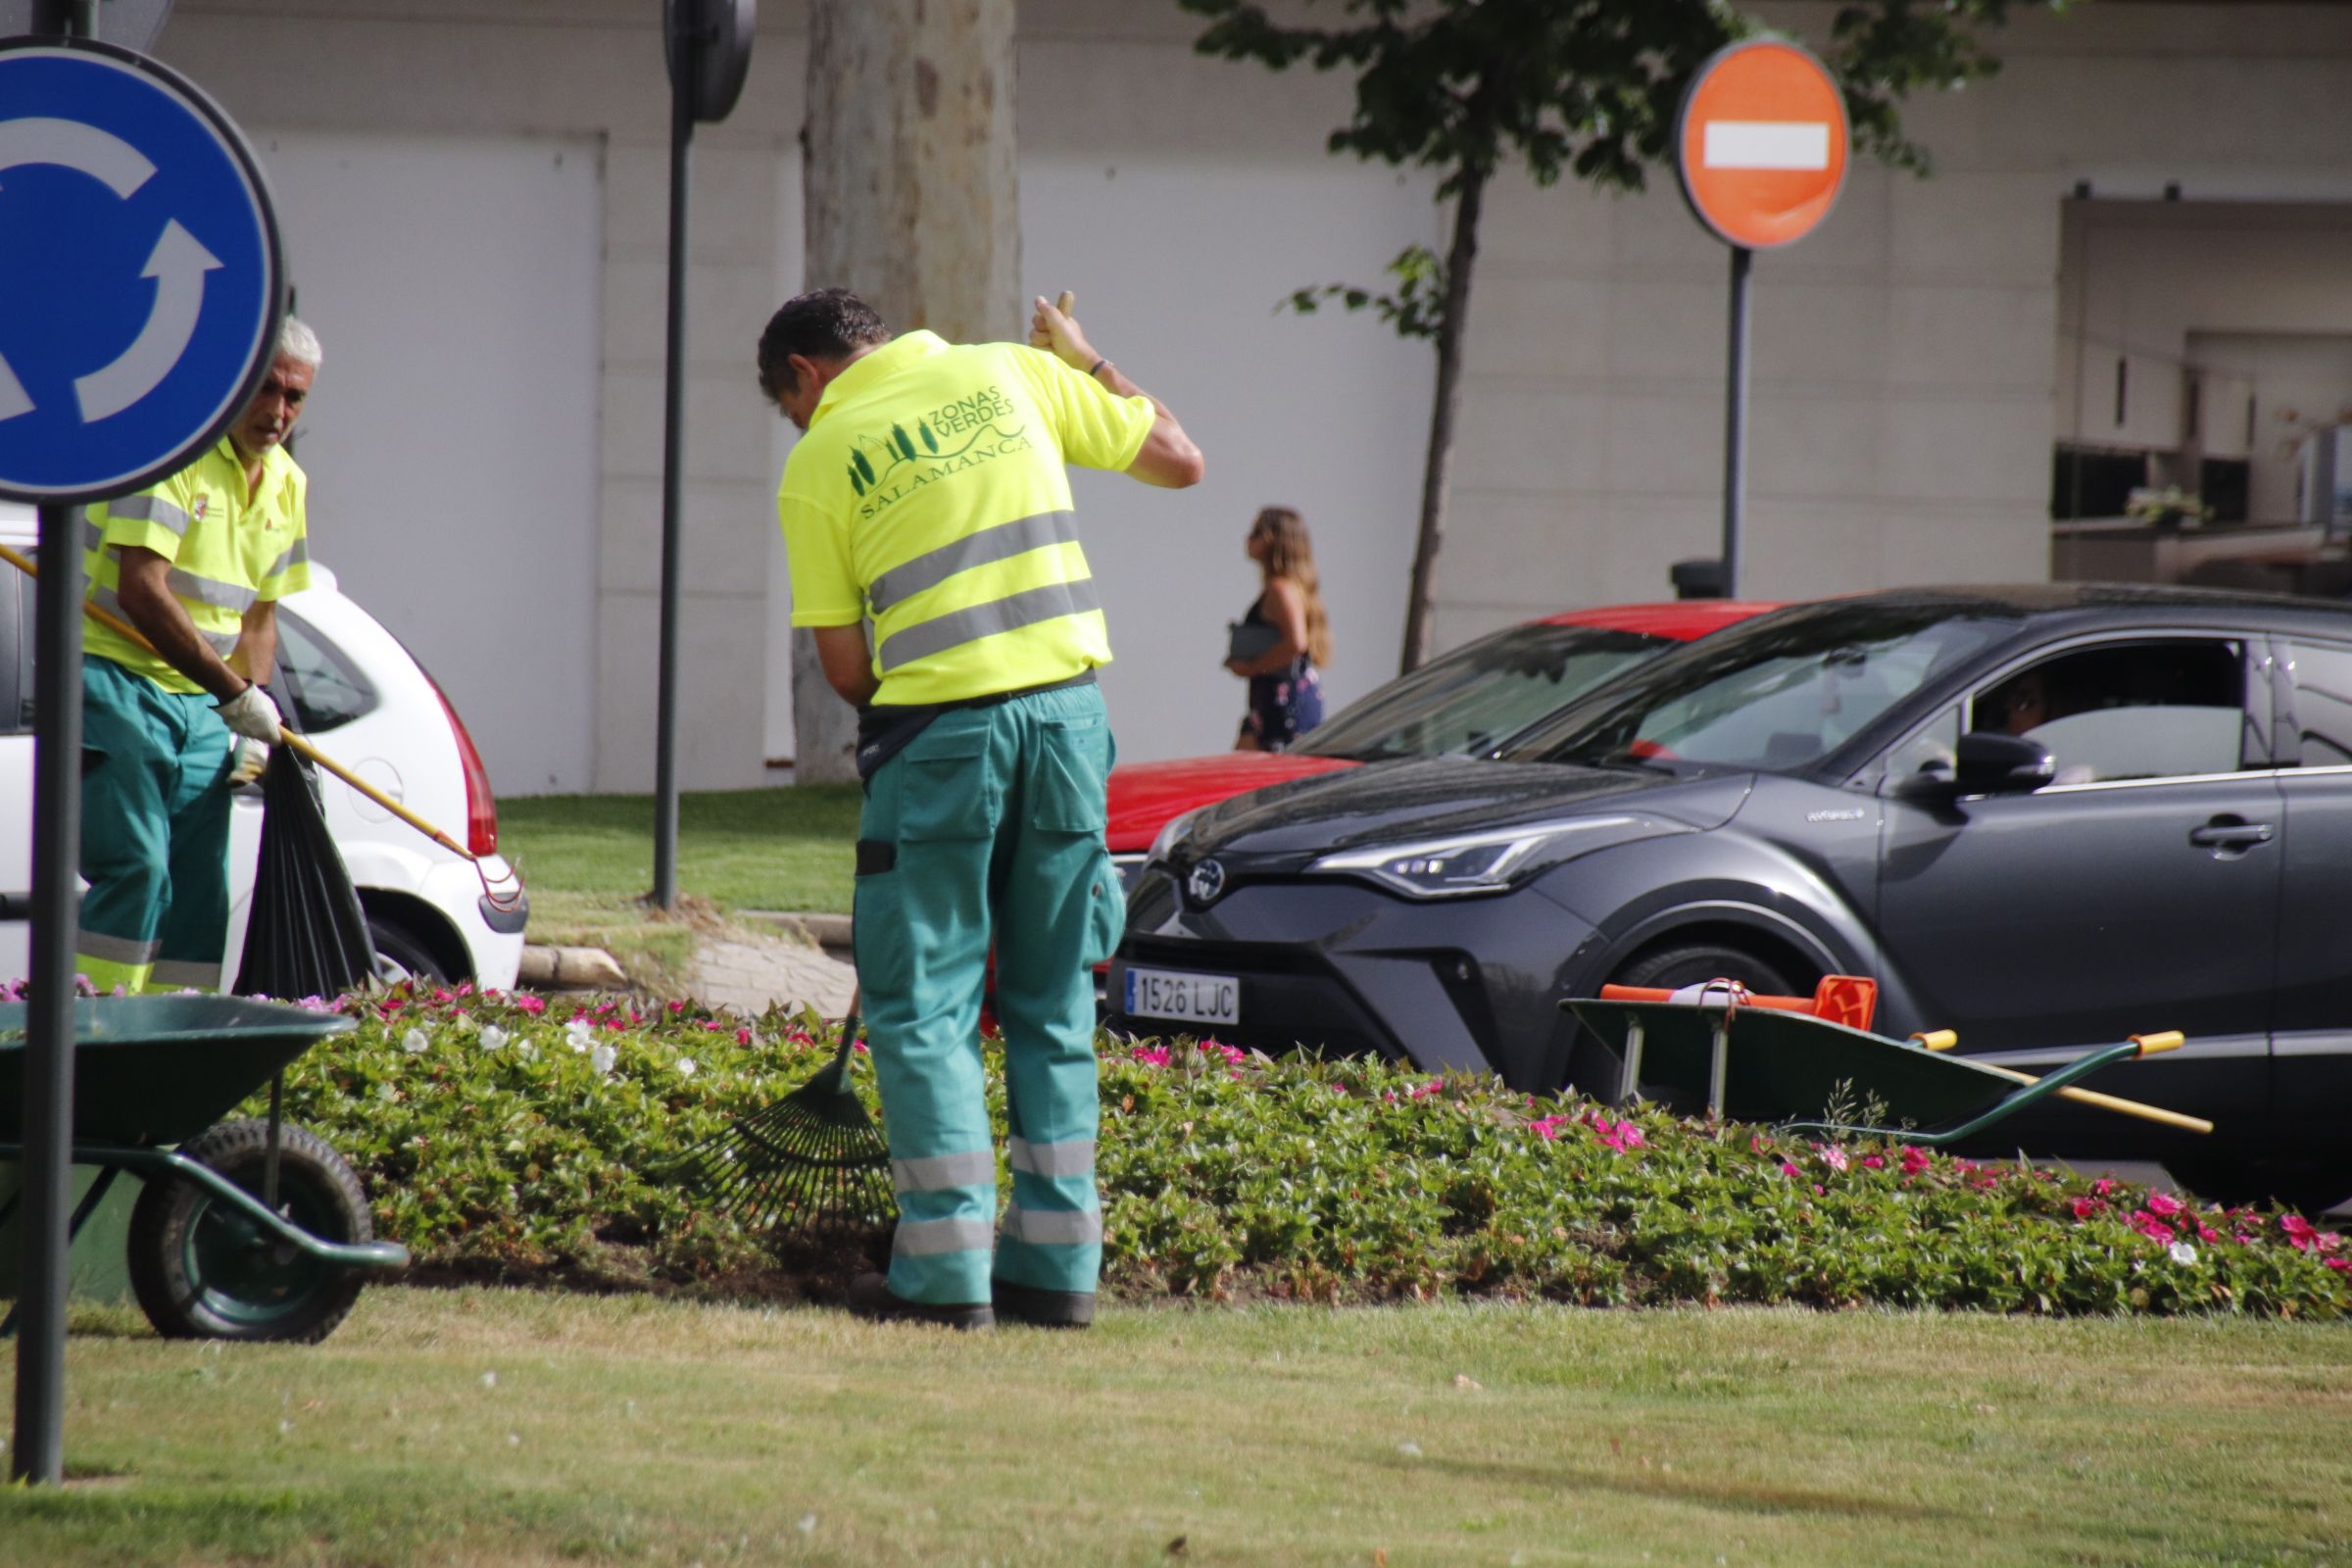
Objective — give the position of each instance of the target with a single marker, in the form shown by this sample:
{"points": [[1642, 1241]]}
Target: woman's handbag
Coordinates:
{"points": [[1246, 641]]}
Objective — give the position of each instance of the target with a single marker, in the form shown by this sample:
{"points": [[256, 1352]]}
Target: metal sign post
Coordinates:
{"points": [[709, 46], [1760, 143], [161, 282]]}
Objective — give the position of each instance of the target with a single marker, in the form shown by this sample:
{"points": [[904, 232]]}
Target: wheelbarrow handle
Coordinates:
{"points": [[2148, 1046]]}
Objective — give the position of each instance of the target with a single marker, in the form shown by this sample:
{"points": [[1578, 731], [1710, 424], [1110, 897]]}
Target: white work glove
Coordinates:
{"points": [[251, 714], [251, 758]]}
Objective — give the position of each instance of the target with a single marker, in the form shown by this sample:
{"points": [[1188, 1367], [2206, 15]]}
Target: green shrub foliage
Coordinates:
{"points": [[540, 1136]]}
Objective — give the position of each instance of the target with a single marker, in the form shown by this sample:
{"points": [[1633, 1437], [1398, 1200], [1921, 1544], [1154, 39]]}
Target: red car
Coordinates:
{"points": [[1465, 702]]}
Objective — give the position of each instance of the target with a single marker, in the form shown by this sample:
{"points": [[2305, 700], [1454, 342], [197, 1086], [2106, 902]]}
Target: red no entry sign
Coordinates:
{"points": [[1761, 143]]}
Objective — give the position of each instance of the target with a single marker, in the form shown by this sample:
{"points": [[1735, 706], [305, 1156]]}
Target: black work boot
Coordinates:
{"points": [[870, 1297], [1043, 1309]]}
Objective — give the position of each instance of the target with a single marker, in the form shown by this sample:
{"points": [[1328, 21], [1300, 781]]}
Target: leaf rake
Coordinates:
{"points": [[813, 1161]]}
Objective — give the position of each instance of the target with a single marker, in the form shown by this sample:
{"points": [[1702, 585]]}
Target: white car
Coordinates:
{"points": [[350, 686]]}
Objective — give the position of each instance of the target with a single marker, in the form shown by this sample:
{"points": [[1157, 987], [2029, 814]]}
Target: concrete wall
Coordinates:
{"points": [[1904, 360]]}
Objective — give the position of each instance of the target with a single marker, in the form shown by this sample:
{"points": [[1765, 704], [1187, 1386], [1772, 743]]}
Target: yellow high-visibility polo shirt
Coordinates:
{"points": [[930, 493], [228, 552]]}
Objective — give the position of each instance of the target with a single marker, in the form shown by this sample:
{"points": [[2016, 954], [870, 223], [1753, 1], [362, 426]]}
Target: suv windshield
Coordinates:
{"points": [[1779, 694], [1481, 693]]}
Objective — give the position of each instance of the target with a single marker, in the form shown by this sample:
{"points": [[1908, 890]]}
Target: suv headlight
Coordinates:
{"points": [[1481, 863], [1172, 833]]}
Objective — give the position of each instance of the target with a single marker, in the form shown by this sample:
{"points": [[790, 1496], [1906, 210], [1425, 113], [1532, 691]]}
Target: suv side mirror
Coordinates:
{"points": [[1994, 763], [1988, 762]]}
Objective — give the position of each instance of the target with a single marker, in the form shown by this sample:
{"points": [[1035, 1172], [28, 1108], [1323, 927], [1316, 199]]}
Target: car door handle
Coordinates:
{"points": [[2230, 833]]}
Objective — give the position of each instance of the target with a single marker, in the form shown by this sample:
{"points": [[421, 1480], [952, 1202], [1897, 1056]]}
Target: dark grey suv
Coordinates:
{"points": [[2046, 817]]}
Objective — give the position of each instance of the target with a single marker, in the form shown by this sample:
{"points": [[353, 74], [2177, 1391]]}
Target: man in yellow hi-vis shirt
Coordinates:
{"points": [[197, 563], [929, 495]]}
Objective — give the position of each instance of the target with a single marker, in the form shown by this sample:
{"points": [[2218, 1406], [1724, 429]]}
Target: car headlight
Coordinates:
{"points": [[1172, 833], [1471, 863]]}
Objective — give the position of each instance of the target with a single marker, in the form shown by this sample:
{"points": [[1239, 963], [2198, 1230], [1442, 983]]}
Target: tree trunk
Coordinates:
{"points": [[914, 201], [1437, 477]]}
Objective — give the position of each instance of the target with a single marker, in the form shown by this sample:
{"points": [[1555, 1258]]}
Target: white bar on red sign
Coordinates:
{"points": [[1766, 144]]}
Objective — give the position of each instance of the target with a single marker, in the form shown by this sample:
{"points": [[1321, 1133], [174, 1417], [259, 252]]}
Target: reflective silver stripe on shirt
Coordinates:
{"points": [[116, 950], [92, 536], [1052, 1227], [941, 1173], [210, 591], [957, 627], [999, 542], [223, 642], [297, 552], [1074, 1157], [184, 975], [922, 1238], [149, 509]]}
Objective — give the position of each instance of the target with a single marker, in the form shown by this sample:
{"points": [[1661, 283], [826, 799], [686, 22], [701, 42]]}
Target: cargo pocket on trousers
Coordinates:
{"points": [[1066, 784], [1106, 912], [945, 793], [878, 927]]}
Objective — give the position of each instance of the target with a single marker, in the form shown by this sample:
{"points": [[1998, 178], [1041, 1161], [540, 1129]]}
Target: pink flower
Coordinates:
{"points": [[1151, 1055], [2085, 1207], [1789, 1169], [2150, 1226], [1548, 1128], [2206, 1232], [1831, 1155], [1985, 1181], [743, 1036], [1434, 1086], [1874, 1162], [2103, 1186], [2299, 1231], [1916, 1159], [2165, 1205], [2342, 1266], [1620, 1136], [534, 1006]]}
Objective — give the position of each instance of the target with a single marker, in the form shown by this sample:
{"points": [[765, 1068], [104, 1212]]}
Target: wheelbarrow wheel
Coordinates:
{"points": [[203, 1270]]}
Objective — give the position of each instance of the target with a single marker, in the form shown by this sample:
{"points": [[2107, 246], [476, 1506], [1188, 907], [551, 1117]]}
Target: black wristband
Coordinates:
{"points": [[1095, 367]]}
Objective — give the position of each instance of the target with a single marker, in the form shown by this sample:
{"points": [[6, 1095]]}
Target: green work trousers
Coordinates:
{"points": [[995, 820], [155, 803]]}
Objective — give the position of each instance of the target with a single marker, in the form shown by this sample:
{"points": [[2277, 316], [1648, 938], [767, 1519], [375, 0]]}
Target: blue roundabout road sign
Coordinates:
{"points": [[140, 281]]}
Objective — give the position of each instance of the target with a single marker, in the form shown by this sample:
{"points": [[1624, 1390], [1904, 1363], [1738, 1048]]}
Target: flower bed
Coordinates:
{"points": [[528, 1137]]}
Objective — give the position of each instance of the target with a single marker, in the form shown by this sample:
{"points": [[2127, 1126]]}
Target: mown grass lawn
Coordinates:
{"points": [[481, 1427], [588, 860], [780, 849]]}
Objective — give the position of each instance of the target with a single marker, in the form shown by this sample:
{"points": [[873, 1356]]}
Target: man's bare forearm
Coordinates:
{"points": [[162, 619]]}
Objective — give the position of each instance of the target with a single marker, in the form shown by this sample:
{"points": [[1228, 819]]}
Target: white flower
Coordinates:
{"points": [[577, 1034], [526, 1051], [493, 1037], [686, 1067], [603, 1057], [2184, 1253], [386, 1091], [415, 1042], [490, 1380]]}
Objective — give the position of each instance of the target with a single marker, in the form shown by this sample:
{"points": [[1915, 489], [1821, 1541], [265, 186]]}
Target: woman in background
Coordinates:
{"points": [[1281, 645]]}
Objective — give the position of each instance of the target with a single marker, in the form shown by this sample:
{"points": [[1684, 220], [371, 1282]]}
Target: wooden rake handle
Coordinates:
{"points": [[300, 745]]}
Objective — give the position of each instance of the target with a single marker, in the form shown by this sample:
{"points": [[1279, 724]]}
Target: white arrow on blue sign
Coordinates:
{"points": [[140, 284]]}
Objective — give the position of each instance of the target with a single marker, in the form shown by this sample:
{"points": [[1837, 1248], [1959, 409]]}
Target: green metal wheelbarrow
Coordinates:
{"points": [[247, 1230], [1773, 1064]]}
